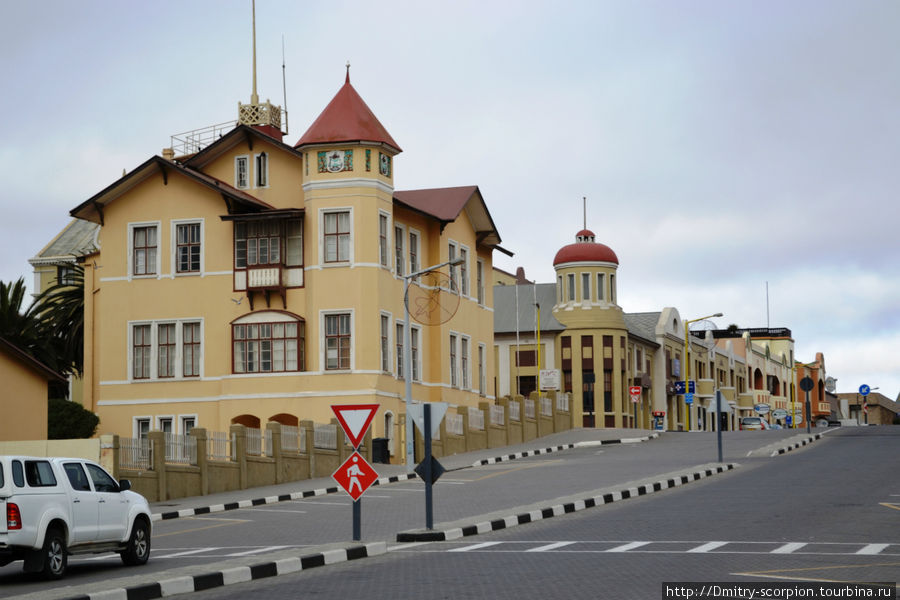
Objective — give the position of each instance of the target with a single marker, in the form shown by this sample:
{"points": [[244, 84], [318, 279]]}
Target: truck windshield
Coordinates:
{"points": [[1, 475]]}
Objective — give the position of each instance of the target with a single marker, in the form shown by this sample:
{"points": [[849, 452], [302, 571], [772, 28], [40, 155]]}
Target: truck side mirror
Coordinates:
{"points": [[124, 484]]}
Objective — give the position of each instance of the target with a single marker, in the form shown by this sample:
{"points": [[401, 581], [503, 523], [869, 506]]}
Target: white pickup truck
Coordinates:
{"points": [[60, 506]]}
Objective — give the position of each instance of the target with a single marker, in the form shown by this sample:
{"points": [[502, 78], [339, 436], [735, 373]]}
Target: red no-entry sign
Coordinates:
{"points": [[356, 475]]}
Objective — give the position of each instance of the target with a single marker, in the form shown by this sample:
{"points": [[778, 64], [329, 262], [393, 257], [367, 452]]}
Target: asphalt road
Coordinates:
{"points": [[762, 504], [828, 512]]}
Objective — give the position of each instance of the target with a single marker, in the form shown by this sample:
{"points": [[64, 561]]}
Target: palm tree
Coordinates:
{"points": [[17, 325], [59, 315]]}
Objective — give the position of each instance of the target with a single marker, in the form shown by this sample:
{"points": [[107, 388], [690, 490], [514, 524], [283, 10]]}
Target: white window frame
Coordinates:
{"points": [[482, 366], [135, 425], [415, 332], [417, 264], [173, 236], [401, 259], [570, 284], [465, 363], [256, 171], [601, 283], [130, 246], [399, 343], [321, 240], [454, 359], [181, 423], [612, 288], [385, 317], [384, 254], [237, 180], [560, 293], [171, 420], [464, 272], [154, 349], [322, 357], [479, 281], [585, 289], [452, 253]]}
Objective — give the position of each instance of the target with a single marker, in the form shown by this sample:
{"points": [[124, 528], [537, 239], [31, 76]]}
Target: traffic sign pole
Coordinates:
{"points": [[357, 520], [429, 505]]}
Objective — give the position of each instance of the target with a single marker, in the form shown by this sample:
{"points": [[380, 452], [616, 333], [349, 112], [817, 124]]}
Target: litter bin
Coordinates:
{"points": [[380, 451]]}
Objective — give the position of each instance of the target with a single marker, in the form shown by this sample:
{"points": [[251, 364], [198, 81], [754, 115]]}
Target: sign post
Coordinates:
{"points": [[356, 475], [864, 391], [429, 469], [807, 384]]}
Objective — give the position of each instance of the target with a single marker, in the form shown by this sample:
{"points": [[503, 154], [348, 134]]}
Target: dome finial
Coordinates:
{"points": [[347, 78]]}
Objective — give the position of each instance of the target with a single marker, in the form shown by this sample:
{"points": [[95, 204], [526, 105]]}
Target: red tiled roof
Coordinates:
{"points": [[347, 118], [444, 204]]}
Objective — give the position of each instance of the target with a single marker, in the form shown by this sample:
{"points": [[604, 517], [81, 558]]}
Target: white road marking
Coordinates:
{"points": [[788, 548], [474, 547], [403, 547], [627, 547], [872, 548], [258, 550], [549, 547], [281, 510], [707, 547], [186, 553]]}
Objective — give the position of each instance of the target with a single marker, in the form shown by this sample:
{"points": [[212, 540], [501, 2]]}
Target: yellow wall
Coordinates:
{"points": [[23, 402]]}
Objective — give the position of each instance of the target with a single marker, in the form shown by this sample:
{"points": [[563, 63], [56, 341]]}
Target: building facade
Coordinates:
{"points": [[251, 280]]}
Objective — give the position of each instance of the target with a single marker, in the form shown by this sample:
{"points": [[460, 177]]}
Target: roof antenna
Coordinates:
{"points": [[254, 98], [584, 205], [347, 79], [284, 86]]}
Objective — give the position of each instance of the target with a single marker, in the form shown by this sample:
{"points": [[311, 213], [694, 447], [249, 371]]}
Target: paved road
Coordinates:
{"points": [[254, 533], [828, 512]]}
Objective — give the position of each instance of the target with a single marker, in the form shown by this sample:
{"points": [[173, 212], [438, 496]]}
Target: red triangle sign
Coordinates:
{"points": [[355, 420]]}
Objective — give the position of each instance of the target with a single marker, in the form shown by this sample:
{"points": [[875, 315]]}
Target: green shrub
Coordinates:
{"points": [[69, 420]]}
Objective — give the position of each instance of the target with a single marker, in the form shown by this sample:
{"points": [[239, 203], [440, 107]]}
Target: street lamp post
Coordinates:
{"points": [[407, 352], [687, 361]]}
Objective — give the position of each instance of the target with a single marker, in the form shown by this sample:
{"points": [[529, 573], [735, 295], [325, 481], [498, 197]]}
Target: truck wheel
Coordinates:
{"points": [[55, 557], [138, 550]]}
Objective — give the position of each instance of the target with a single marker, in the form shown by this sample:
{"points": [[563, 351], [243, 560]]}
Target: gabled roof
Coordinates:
{"points": [[29, 361], [77, 239], [508, 316], [643, 325], [236, 200], [446, 204], [240, 134], [347, 118]]}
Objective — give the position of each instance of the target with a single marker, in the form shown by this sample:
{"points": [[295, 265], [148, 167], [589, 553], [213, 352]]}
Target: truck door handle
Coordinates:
{"points": [[102, 501], [76, 500]]}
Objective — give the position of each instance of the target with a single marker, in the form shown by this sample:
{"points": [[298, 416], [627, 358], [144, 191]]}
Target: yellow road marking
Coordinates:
{"points": [[772, 574], [890, 505], [229, 522]]}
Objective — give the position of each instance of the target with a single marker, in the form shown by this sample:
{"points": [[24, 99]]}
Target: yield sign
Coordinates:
{"points": [[354, 420], [355, 475]]}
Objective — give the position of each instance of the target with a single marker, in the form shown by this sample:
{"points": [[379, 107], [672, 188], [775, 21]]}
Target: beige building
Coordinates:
{"points": [[253, 280], [23, 402]]}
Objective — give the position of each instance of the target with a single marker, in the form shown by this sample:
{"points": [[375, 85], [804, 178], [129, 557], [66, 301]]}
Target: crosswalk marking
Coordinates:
{"points": [[627, 547], [788, 548], [475, 547], [549, 547], [872, 548], [707, 547]]}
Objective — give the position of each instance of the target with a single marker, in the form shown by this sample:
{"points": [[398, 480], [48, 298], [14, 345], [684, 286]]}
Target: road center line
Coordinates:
{"points": [[548, 547], [475, 547], [788, 548]]}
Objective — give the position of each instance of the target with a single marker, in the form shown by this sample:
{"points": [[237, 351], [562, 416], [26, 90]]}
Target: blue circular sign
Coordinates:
{"points": [[864, 390]]}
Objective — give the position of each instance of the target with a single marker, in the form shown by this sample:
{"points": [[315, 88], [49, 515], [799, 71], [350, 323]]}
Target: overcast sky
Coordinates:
{"points": [[722, 146]]}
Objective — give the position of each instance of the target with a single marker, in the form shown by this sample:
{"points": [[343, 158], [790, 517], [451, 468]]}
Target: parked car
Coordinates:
{"points": [[752, 423], [55, 507]]}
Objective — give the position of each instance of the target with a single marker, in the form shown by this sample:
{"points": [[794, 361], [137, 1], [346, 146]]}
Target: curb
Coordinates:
{"points": [[186, 584], [796, 445], [505, 457], [215, 508], [558, 509]]}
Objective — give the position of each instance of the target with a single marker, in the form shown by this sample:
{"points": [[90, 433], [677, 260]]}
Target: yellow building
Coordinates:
{"points": [[23, 402], [254, 280]]}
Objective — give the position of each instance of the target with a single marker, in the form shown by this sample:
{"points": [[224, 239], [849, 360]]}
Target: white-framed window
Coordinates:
{"points": [[465, 379], [414, 333], [242, 172], [482, 376], [399, 341], [612, 288], [464, 271], [586, 287], [336, 237], [187, 422], [452, 249], [141, 427], [414, 251], [385, 343], [570, 280], [165, 349], [187, 247], [383, 239], [398, 250], [454, 371], [143, 249], [601, 282], [166, 423], [262, 170], [559, 289], [479, 281], [337, 341], [268, 342]]}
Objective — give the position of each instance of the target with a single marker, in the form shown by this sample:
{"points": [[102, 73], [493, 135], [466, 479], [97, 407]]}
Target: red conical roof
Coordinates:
{"points": [[347, 118]]}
